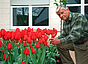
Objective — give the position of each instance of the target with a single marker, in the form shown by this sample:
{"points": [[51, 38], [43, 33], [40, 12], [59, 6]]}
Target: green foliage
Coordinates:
{"points": [[61, 1], [56, 4], [50, 55]]}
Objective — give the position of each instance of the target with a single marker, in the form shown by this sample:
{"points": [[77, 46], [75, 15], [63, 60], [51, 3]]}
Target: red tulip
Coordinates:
{"points": [[32, 50], [26, 51], [5, 37], [30, 46], [9, 46], [43, 33], [0, 43], [46, 37], [38, 30], [33, 37], [48, 32], [43, 39], [6, 58], [3, 32], [45, 43], [54, 30], [25, 37], [17, 30], [29, 29], [28, 40], [22, 33], [2, 50], [13, 36], [38, 45], [21, 40], [9, 34], [58, 61], [0, 34], [40, 40], [25, 44], [22, 62], [45, 30], [38, 34], [53, 35], [17, 35]]}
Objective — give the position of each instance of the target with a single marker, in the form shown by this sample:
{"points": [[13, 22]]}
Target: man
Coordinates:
{"points": [[74, 37]]}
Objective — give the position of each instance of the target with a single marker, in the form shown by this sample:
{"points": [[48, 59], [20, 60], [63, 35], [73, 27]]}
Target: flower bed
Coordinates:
{"points": [[27, 46]]}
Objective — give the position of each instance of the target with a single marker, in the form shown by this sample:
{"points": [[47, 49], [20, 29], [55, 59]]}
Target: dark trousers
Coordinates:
{"points": [[81, 53]]}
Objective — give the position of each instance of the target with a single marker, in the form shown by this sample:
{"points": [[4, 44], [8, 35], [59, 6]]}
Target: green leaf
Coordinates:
{"points": [[56, 4], [43, 54], [2, 62], [15, 63], [55, 0], [39, 52], [33, 58]]}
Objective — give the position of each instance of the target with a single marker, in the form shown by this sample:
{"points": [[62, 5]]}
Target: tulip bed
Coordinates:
{"points": [[27, 46]]}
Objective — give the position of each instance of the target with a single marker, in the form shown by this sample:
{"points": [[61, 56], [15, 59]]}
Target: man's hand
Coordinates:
{"points": [[53, 41]]}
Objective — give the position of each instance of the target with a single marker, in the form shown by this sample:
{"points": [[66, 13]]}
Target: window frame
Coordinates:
{"points": [[82, 5], [30, 17]]}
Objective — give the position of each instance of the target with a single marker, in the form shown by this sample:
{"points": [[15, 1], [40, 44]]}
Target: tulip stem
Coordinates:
{"points": [[26, 60], [17, 51], [22, 53], [10, 58], [6, 62]]}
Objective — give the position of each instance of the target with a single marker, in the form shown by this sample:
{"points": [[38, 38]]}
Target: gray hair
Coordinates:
{"points": [[62, 7]]}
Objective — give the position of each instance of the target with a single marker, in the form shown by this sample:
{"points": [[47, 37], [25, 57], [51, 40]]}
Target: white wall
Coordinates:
{"points": [[5, 14]]}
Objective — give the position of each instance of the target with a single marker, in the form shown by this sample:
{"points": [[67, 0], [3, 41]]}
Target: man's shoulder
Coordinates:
{"points": [[77, 15]]}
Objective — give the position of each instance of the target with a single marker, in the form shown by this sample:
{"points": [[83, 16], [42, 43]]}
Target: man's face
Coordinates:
{"points": [[63, 14]]}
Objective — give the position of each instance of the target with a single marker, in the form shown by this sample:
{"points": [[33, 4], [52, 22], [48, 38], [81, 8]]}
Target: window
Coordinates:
{"points": [[20, 16], [40, 16], [35, 15], [79, 6]]}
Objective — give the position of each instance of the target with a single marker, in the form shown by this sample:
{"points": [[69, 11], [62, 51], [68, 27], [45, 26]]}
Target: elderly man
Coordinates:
{"points": [[74, 37]]}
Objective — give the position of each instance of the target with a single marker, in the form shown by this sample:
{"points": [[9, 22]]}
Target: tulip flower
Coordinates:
{"points": [[32, 50], [28, 40], [48, 32], [2, 50], [9, 46], [25, 37], [22, 62], [25, 44], [3, 32], [6, 58], [0, 43], [53, 35], [38, 45], [46, 37], [58, 60], [26, 51], [30, 46]]}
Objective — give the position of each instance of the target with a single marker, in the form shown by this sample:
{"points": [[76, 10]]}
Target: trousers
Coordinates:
{"points": [[81, 53]]}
